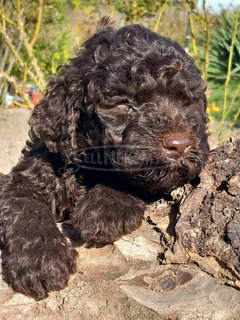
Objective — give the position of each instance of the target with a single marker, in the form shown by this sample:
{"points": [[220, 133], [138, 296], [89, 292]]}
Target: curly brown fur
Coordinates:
{"points": [[119, 100]]}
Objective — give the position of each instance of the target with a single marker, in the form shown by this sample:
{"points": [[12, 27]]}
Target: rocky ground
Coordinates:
{"points": [[125, 280]]}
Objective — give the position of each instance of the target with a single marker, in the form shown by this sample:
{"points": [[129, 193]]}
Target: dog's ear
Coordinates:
{"points": [[55, 118]]}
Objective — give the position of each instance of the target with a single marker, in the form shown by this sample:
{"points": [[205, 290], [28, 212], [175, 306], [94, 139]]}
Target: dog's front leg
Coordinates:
{"points": [[37, 257], [103, 215]]}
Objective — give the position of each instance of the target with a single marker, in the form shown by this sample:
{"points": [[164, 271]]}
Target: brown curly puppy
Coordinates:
{"points": [[123, 122]]}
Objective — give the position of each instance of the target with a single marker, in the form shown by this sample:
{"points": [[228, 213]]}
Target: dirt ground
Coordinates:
{"points": [[13, 134]]}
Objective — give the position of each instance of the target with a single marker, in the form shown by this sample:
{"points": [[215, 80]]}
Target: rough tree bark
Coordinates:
{"points": [[182, 264], [204, 222]]}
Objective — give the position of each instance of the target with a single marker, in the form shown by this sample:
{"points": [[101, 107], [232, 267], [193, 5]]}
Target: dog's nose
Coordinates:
{"points": [[175, 146]]}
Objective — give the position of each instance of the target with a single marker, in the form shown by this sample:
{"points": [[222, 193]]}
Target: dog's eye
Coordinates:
{"points": [[116, 117]]}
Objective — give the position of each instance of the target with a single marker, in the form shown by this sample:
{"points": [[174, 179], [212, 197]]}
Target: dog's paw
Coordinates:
{"points": [[40, 266], [104, 215]]}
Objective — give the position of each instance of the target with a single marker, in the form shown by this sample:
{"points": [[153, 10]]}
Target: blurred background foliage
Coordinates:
{"points": [[220, 48], [36, 36]]}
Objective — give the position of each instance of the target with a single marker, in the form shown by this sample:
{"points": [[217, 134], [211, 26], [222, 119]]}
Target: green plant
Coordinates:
{"points": [[220, 61], [33, 41], [230, 51], [220, 48], [135, 10]]}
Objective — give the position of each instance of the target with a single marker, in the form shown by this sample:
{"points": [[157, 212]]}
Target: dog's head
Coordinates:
{"points": [[136, 94]]}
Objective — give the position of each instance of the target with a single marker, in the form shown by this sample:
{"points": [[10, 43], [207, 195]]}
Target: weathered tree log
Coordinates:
{"points": [[183, 263], [203, 224]]}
